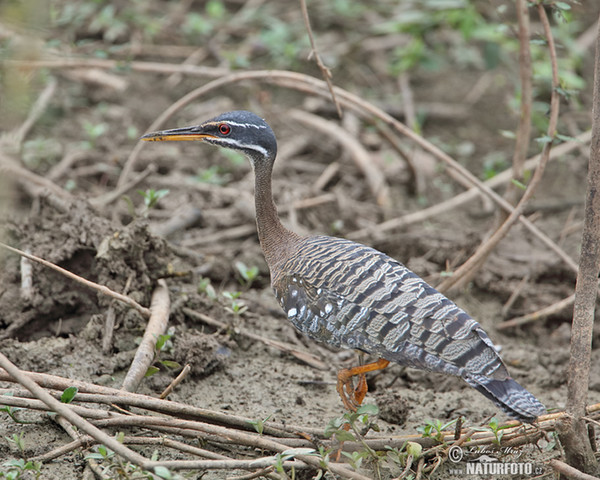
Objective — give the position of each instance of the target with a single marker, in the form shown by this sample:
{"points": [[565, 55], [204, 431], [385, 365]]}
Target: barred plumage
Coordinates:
{"points": [[349, 295]]}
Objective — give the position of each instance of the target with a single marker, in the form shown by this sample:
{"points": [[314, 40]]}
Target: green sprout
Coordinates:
{"points": [[435, 429], [249, 274], [259, 425], [17, 469], [151, 196]]}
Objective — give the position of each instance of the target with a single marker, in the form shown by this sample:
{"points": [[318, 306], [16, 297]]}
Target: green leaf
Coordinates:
{"points": [[518, 184], [163, 472], [544, 139], [94, 456], [567, 138], [414, 449], [151, 371], [369, 409], [68, 395], [562, 5], [344, 436], [170, 364]]}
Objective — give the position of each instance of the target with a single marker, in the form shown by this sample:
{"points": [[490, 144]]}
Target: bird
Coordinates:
{"points": [[352, 296]]}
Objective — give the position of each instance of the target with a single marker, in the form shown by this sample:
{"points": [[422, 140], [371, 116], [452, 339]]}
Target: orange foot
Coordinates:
{"points": [[352, 397]]}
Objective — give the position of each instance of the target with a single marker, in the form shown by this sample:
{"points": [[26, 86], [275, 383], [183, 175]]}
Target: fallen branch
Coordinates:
{"points": [[157, 325], [100, 288]]}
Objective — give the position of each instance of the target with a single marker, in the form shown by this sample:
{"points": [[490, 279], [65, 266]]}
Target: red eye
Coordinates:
{"points": [[224, 129]]}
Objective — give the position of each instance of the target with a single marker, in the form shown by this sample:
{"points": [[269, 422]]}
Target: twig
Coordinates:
{"points": [[26, 279], [374, 176], [538, 315], [100, 288], [568, 471], [109, 396], [109, 326], [324, 70], [305, 357], [523, 132], [178, 379], [573, 430], [157, 325], [66, 412], [148, 67]]}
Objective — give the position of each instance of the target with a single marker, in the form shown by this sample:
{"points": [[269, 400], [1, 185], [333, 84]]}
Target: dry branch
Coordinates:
{"points": [[68, 413], [157, 325], [100, 288], [573, 429]]}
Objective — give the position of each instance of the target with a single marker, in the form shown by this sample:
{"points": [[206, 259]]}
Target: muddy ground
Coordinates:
{"points": [[91, 125]]}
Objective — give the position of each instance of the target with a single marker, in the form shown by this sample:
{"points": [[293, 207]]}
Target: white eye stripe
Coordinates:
{"points": [[245, 125], [236, 144]]}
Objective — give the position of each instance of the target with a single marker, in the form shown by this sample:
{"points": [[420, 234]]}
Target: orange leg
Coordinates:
{"points": [[353, 397]]}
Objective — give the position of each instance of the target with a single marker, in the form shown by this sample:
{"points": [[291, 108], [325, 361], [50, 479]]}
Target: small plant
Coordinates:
{"points": [[11, 412], [163, 344], [249, 274], [236, 307], [94, 131], [214, 175], [435, 429], [151, 198], [17, 469], [17, 440], [496, 429], [114, 467], [68, 395], [204, 286], [259, 425]]}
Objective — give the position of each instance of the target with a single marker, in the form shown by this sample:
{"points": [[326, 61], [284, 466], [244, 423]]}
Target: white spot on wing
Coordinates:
{"points": [[292, 312]]}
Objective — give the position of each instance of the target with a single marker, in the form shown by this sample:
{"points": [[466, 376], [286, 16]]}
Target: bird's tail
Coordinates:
{"points": [[511, 397]]}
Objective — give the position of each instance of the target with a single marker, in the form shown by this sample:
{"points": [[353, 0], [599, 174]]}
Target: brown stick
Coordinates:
{"points": [[101, 288], [314, 52], [573, 431], [568, 471], [157, 325], [66, 412], [525, 75]]}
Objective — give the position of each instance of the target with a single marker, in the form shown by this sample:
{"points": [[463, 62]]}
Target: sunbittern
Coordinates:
{"points": [[349, 295]]}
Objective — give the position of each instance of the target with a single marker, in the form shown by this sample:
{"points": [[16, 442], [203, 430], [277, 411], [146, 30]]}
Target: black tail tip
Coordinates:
{"points": [[511, 397]]}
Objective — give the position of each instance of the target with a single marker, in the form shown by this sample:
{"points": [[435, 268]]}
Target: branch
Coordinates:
{"points": [[100, 288], [324, 70], [573, 430], [157, 325]]}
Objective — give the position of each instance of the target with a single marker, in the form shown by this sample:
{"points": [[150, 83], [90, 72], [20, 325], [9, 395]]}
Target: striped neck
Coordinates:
{"points": [[276, 241]]}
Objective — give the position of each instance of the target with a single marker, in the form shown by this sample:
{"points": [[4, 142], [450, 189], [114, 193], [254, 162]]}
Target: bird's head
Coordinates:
{"points": [[239, 130]]}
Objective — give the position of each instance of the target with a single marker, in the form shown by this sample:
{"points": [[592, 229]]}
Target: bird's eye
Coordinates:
{"points": [[224, 129]]}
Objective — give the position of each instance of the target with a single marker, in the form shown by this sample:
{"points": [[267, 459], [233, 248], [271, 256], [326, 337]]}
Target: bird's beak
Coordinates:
{"points": [[177, 135]]}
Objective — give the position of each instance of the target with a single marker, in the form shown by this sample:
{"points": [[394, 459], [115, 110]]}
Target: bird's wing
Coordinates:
{"points": [[346, 294]]}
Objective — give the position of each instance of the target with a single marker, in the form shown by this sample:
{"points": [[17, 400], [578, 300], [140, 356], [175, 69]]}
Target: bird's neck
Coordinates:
{"points": [[276, 241]]}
